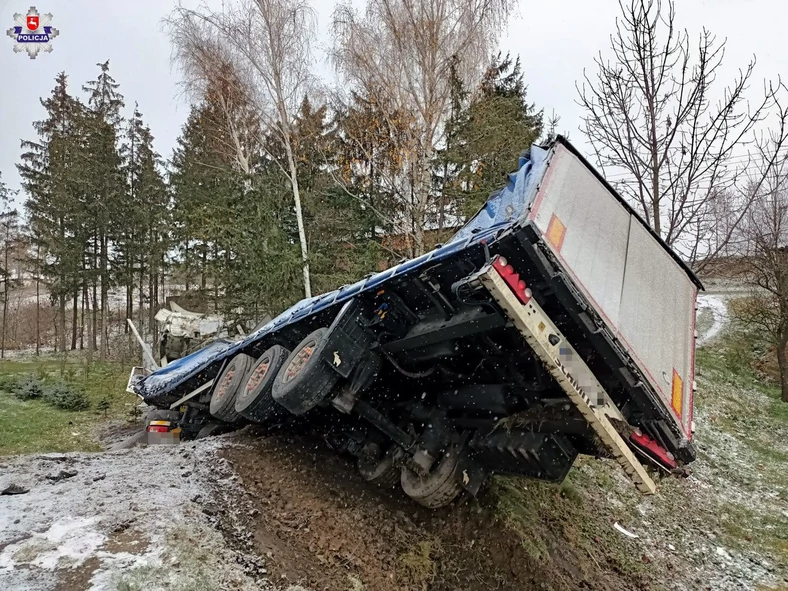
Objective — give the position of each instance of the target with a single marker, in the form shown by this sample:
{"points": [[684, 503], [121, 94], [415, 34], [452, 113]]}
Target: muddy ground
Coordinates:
{"points": [[319, 525], [273, 511], [265, 511], [125, 520]]}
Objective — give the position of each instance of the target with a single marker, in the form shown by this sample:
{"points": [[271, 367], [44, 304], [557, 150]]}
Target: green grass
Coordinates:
{"points": [[553, 516], [736, 398], [34, 426]]}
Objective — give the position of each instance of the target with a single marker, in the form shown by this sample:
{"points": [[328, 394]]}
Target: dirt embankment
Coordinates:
{"points": [[317, 524]]}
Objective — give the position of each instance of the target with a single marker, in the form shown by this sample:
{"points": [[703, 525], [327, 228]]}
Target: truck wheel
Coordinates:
{"points": [[304, 380], [227, 387], [255, 401], [382, 472], [438, 488]]}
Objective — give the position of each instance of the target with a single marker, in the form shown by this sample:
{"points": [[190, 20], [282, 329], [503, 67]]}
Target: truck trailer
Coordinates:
{"points": [[555, 323]]}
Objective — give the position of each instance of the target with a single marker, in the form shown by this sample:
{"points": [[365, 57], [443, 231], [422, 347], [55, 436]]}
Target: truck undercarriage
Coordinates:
{"points": [[489, 360]]}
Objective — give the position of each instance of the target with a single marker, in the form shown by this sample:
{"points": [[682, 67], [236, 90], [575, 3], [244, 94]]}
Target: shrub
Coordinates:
{"points": [[66, 397], [28, 387], [8, 383]]}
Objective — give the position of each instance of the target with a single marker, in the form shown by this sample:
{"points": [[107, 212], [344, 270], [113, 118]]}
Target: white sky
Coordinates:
{"points": [[556, 40]]}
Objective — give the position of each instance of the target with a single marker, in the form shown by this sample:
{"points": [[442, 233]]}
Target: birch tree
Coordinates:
{"points": [[261, 50], [671, 139], [400, 54]]}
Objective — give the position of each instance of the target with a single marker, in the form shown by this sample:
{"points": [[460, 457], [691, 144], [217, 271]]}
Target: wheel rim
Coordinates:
{"points": [[299, 361], [225, 385], [257, 376]]}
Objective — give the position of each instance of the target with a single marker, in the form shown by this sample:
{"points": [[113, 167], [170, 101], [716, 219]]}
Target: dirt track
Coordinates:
{"points": [[318, 524]]}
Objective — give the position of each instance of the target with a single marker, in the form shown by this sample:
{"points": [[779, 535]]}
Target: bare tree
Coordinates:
{"points": [[259, 53], [654, 126], [400, 54], [763, 248]]}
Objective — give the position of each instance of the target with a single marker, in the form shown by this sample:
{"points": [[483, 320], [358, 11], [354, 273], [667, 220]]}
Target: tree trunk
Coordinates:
{"points": [[215, 279], [61, 337], [299, 217], [782, 362], [187, 266], [82, 319], [91, 324], [104, 300], [74, 320], [38, 301], [94, 318], [141, 327], [203, 281], [153, 304], [129, 299], [5, 296]]}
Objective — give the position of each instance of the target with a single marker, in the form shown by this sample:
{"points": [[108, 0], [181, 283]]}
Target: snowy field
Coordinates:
{"points": [[127, 519]]}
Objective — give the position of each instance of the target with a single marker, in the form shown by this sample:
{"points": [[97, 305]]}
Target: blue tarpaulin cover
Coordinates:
{"points": [[503, 209]]}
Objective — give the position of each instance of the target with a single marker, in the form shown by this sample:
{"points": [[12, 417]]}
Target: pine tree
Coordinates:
{"points": [[235, 228], [143, 235], [52, 177], [487, 136], [104, 191], [202, 185], [340, 229]]}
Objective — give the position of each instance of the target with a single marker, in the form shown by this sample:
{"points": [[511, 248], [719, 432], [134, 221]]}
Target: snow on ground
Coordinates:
{"points": [[96, 521], [715, 305]]}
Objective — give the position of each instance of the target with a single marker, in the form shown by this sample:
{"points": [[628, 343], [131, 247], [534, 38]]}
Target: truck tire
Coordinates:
{"points": [[255, 401], [227, 387], [382, 472], [304, 380], [438, 488]]}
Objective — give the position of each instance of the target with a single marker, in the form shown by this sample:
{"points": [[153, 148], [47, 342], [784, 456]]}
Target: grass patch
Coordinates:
{"points": [[553, 521], [34, 426], [190, 561], [744, 527], [419, 563]]}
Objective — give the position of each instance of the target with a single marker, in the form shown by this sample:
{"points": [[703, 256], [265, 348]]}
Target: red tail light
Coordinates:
{"points": [[512, 279], [157, 429]]}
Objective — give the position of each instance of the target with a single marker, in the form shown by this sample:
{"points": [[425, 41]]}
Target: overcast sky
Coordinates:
{"points": [[556, 40]]}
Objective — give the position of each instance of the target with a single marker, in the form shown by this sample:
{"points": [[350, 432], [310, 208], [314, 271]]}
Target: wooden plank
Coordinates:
{"points": [[192, 394], [550, 345]]}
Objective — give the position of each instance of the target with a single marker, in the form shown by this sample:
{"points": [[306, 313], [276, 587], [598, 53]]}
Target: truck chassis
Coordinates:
{"points": [[480, 358]]}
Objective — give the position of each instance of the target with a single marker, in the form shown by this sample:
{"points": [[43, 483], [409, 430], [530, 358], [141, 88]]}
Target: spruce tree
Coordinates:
{"points": [[487, 136], [104, 190], [143, 236], [52, 174]]}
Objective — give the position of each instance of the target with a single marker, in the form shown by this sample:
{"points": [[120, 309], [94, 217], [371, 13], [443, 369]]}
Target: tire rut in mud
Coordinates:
{"points": [[315, 522]]}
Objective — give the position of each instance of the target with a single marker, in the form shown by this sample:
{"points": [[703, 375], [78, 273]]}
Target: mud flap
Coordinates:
{"points": [[347, 343], [471, 474]]}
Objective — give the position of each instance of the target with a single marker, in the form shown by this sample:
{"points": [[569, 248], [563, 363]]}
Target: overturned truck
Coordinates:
{"points": [[554, 323]]}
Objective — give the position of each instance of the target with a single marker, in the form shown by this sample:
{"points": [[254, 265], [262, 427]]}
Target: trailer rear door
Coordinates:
{"points": [[643, 294]]}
